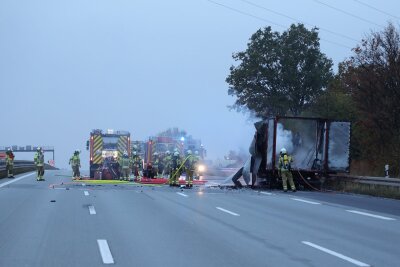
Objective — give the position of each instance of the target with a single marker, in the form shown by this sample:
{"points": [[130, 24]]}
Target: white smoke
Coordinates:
{"points": [[283, 139]]}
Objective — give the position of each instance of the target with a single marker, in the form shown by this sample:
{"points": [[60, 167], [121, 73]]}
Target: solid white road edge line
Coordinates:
{"points": [[16, 179], [86, 193], [371, 215], [182, 194], [306, 201], [105, 251], [92, 211], [227, 211], [333, 253]]}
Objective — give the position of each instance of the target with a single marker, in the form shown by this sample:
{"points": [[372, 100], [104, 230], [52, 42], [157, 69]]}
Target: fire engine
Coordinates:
{"points": [[106, 147]]}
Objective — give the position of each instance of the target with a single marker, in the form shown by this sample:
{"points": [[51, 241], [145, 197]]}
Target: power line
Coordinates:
{"points": [[348, 13], [265, 20], [247, 14], [294, 19], [374, 8]]}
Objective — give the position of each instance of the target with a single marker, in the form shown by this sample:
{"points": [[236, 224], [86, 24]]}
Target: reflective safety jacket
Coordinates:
{"points": [[136, 161], [167, 160], [124, 163], [285, 162], [75, 160], [156, 162], [175, 162], [39, 159], [191, 162], [9, 160]]}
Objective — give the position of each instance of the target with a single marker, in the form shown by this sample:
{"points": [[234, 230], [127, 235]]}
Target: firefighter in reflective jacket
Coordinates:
{"points": [[285, 170], [39, 162], [136, 162], [75, 163], [124, 163], [174, 169], [10, 163], [166, 161], [156, 164], [190, 166]]}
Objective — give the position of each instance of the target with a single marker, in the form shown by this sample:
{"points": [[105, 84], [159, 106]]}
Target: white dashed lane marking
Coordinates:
{"points": [[371, 215], [227, 211], [306, 201], [92, 211], [105, 251]]}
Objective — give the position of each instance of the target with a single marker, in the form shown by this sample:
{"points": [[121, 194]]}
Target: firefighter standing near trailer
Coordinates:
{"points": [[10, 163], [190, 165], [174, 169], [39, 162], [124, 163], [75, 163], [285, 170]]}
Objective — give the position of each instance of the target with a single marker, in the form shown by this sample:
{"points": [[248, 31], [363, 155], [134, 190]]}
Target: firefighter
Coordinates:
{"points": [[175, 169], [190, 164], [167, 163], [39, 162], [75, 163], [136, 162], [10, 163], [285, 162], [155, 164], [124, 163]]}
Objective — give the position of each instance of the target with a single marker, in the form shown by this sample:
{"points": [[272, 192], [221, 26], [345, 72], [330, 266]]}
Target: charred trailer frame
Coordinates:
{"points": [[319, 147]]}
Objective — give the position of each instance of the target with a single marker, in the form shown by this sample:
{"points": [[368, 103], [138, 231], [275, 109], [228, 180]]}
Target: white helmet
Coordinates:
{"points": [[39, 148], [155, 154], [283, 150], [196, 152], [134, 153], [176, 153], [189, 152], [167, 152]]}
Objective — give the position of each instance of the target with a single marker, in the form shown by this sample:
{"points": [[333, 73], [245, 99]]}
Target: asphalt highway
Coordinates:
{"points": [[59, 223]]}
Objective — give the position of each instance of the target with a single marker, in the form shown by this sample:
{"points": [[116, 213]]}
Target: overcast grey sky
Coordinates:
{"points": [[67, 67]]}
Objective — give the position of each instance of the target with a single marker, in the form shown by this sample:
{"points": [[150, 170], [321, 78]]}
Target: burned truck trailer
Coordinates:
{"points": [[318, 146]]}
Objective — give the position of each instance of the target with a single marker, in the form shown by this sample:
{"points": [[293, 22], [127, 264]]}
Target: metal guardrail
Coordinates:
{"points": [[369, 179], [20, 166], [17, 164]]}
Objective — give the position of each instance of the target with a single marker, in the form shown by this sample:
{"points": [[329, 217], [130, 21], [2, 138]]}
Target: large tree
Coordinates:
{"points": [[372, 75], [279, 73]]}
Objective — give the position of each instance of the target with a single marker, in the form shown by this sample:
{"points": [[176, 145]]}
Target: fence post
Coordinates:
{"points": [[387, 171]]}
